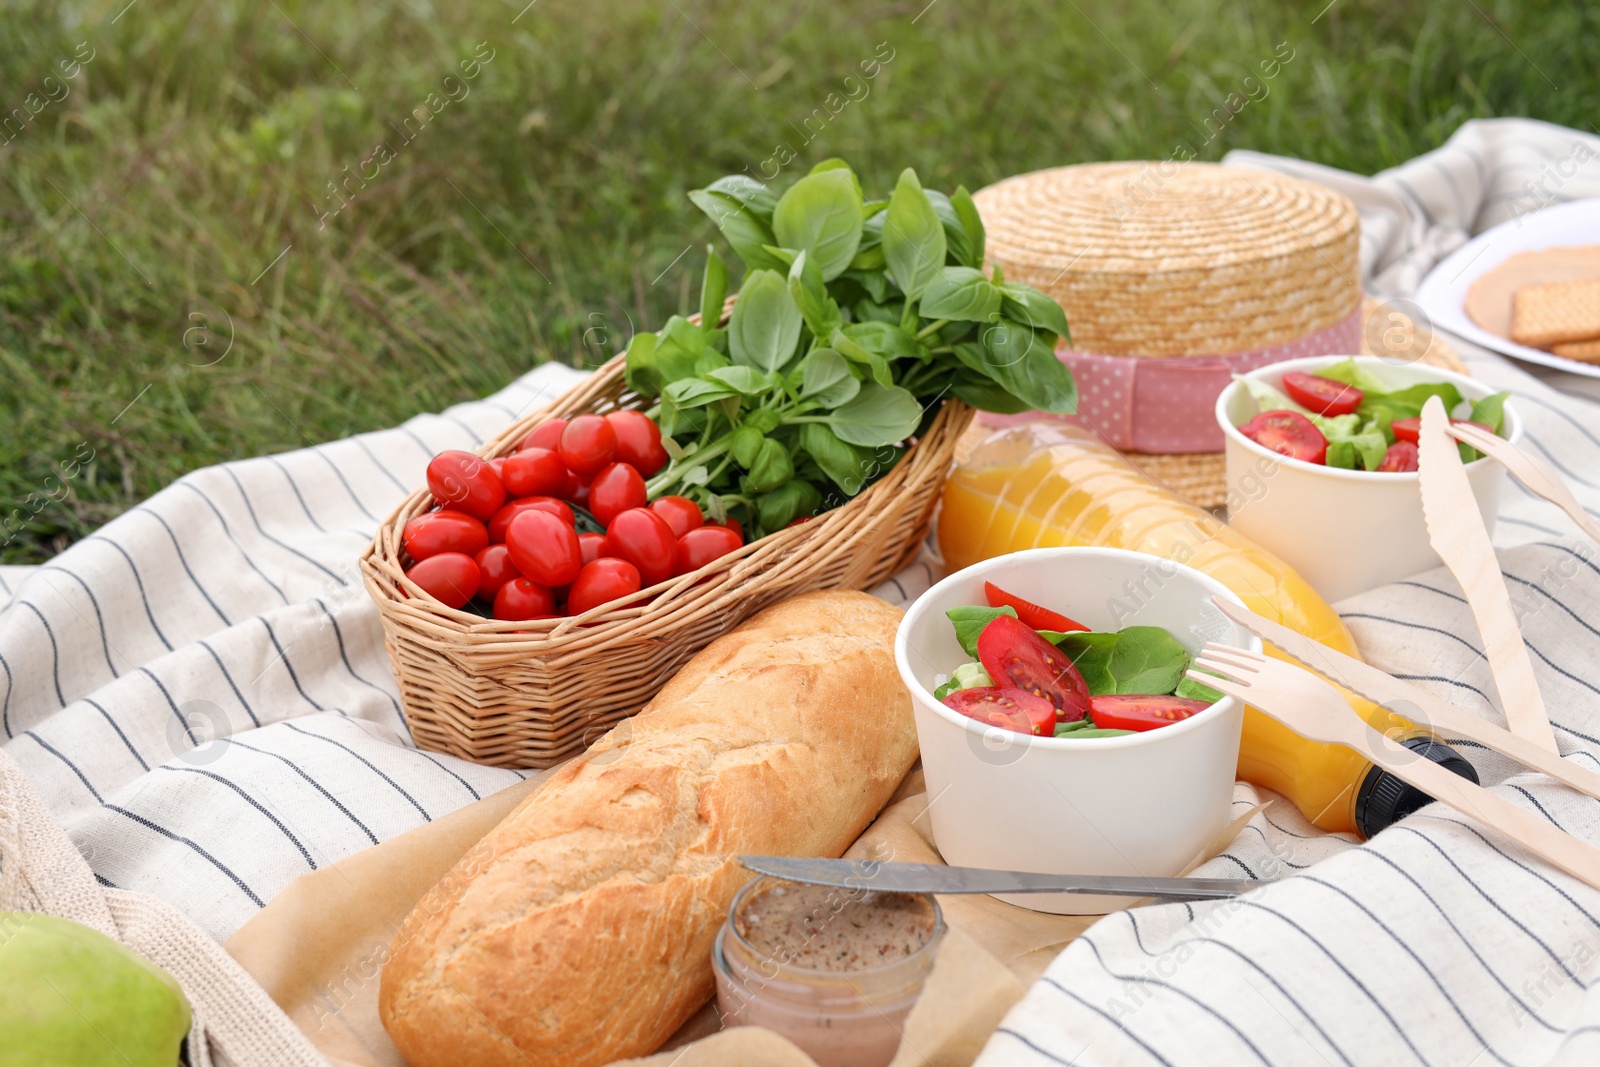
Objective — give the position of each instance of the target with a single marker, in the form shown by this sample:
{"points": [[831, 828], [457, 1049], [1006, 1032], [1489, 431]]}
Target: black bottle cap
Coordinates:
{"points": [[1384, 800]]}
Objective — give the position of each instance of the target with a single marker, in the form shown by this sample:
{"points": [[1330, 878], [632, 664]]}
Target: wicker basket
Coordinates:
{"points": [[530, 694]]}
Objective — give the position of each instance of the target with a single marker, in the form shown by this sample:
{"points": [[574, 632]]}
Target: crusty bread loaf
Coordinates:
{"points": [[580, 930]]}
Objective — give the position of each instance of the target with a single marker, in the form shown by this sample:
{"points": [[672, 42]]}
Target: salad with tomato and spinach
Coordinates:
{"points": [[1036, 671], [1344, 416]]}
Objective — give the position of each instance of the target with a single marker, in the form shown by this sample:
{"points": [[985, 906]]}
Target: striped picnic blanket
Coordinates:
{"points": [[199, 694]]}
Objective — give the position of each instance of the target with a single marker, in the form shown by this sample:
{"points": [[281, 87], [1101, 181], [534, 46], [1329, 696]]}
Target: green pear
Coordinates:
{"points": [[72, 997]]}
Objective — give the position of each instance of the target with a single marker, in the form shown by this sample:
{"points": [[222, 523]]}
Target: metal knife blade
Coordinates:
{"points": [[1409, 701], [1457, 533], [936, 878]]}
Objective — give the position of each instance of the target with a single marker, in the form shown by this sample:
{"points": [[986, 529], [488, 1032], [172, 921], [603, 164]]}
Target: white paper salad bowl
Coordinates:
{"points": [[1345, 531], [1141, 804]]}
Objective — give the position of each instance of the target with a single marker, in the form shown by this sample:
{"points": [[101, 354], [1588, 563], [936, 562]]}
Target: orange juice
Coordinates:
{"points": [[1045, 484]]}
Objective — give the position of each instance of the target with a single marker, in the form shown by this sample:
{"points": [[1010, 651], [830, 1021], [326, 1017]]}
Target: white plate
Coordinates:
{"points": [[1444, 291]]}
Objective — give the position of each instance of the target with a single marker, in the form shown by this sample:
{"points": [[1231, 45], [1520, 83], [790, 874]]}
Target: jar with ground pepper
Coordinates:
{"points": [[835, 971]]}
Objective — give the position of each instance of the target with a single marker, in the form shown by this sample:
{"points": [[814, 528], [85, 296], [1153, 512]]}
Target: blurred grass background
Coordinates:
{"points": [[186, 176]]}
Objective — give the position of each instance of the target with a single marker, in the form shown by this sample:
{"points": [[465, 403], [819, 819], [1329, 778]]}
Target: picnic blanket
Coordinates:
{"points": [[198, 693]]}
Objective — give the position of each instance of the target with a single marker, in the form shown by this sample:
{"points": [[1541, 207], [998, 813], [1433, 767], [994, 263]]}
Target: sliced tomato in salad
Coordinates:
{"points": [[1288, 433], [1411, 429], [1131, 712], [1009, 709], [1322, 395], [1017, 657], [1040, 618], [1401, 457]]}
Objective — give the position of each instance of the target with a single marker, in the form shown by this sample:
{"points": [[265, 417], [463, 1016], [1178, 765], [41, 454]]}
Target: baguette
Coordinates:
{"points": [[580, 930]]}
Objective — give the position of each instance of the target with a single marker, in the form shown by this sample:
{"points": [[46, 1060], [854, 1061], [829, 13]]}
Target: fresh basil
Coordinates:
{"points": [[848, 466], [713, 289], [913, 236], [961, 293], [825, 379], [766, 322], [1025, 363], [1023, 303], [967, 212], [821, 216], [878, 415], [969, 622], [819, 310], [747, 233]]}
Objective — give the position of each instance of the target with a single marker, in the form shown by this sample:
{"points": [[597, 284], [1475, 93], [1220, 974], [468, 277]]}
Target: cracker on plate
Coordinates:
{"points": [[1488, 300], [1556, 313]]}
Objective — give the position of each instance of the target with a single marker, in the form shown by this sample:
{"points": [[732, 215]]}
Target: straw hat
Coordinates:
{"points": [[1167, 259]]}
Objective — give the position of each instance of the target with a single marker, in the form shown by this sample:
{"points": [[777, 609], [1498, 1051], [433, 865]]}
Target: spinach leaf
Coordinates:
{"points": [[960, 293], [766, 322], [878, 415], [825, 378], [1090, 652], [1085, 727], [821, 215], [1190, 689], [747, 233], [1137, 659], [969, 621], [1491, 411], [1407, 403], [913, 236]]}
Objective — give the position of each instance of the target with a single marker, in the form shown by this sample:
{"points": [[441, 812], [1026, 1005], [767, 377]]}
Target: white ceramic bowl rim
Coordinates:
{"points": [[1512, 428], [1144, 737]]}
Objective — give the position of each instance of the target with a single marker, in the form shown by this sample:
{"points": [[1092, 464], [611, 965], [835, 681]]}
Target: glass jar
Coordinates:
{"points": [[841, 1007]]}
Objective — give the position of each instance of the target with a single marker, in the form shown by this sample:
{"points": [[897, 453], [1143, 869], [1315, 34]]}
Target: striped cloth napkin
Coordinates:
{"points": [[199, 694]]}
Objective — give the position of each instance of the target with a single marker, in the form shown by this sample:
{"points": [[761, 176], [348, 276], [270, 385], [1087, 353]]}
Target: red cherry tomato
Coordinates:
{"points": [[591, 545], [643, 538], [1411, 429], [1287, 433], [799, 520], [534, 472], [544, 548], [495, 569], [499, 467], [466, 483], [545, 435], [682, 514], [1111, 712], [730, 522], [601, 582], [502, 518], [1018, 658], [1401, 456], [638, 441], [587, 444], [1009, 709], [614, 490], [1033, 615], [443, 531], [521, 599], [1322, 395], [702, 545], [451, 578]]}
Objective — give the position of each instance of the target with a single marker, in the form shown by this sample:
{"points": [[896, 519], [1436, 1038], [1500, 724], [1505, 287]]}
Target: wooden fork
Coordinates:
{"points": [[1531, 471], [1314, 709]]}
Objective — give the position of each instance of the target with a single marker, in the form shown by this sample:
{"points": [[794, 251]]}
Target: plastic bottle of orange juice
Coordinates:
{"points": [[1042, 484]]}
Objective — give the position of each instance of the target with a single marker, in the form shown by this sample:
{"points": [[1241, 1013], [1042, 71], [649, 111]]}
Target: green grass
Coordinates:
{"points": [[542, 215]]}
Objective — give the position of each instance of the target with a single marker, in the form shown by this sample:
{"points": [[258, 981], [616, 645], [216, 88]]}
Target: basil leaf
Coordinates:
{"points": [[1024, 303], [820, 311], [986, 394], [825, 378], [855, 353], [961, 293], [640, 370], [698, 392], [868, 259], [878, 415], [747, 233], [848, 466], [747, 381], [969, 622], [1190, 689], [886, 339], [957, 246], [1026, 365], [765, 326], [967, 211], [752, 194], [835, 163], [873, 281], [821, 215], [772, 466], [763, 419], [913, 236], [783, 505], [713, 289], [745, 445]]}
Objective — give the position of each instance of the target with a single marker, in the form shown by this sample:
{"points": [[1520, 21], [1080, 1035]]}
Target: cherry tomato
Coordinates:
{"points": [[1322, 395], [1287, 433], [702, 545], [643, 538], [614, 490], [499, 468], [451, 578], [521, 599], [798, 520], [462, 481], [1036, 617], [601, 582], [502, 518], [1016, 657], [638, 441], [495, 569], [1009, 709], [730, 522], [544, 548], [587, 444], [1130, 712], [443, 531], [682, 514], [1411, 429], [591, 545], [545, 435], [1401, 457], [534, 472]]}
